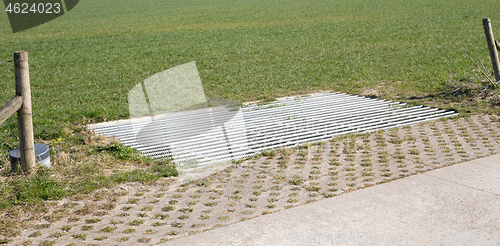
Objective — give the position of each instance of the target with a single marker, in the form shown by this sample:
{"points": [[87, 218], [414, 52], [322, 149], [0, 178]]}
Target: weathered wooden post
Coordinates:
{"points": [[491, 46], [24, 117]]}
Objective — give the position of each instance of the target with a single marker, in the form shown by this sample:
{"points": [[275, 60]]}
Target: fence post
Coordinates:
{"points": [[24, 117], [491, 46]]}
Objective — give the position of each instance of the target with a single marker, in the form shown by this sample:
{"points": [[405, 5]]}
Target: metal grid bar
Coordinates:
{"points": [[222, 134]]}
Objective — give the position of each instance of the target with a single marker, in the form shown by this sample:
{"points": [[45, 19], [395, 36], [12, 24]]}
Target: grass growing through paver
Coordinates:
{"points": [[251, 57], [30, 190], [83, 64]]}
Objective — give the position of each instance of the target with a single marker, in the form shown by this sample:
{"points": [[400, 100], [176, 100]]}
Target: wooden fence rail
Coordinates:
{"points": [[10, 108], [21, 104]]}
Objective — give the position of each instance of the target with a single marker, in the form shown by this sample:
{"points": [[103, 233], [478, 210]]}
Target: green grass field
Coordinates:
{"points": [[83, 64]]}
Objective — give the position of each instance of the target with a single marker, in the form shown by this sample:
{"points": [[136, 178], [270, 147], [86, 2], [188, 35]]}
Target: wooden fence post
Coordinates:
{"points": [[491, 46], [24, 117]]}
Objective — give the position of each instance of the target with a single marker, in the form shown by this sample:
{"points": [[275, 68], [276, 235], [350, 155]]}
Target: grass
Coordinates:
{"points": [[244, 51], [108, 229], [31, 189], [80, 236], [136, 222], [93, 164]]}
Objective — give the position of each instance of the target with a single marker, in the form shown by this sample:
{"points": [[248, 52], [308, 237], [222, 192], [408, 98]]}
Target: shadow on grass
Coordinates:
{"points": [[465, 96]]}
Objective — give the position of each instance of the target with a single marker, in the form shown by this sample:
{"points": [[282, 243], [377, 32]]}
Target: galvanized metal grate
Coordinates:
{"points": [[206, 136]]}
